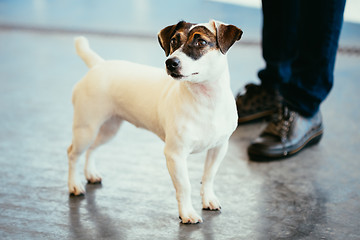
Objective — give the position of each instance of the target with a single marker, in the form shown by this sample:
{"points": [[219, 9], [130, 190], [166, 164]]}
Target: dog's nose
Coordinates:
{"points": [[172, 64]]}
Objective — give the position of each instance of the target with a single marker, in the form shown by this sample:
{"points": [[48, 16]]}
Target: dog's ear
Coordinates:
{"points": [[167, 33], [164, 37], [226, 35]]}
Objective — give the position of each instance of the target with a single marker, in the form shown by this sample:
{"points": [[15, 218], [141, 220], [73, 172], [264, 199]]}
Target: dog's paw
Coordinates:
{"points": [[190, 218], [210, 202], [76, 189], [94, 180], [93, 177]]}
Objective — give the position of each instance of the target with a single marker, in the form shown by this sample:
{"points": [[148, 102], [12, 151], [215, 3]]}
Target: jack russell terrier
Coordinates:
{"points": [[192, 111]]}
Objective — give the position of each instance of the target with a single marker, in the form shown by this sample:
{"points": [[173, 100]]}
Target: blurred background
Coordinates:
{"points": [[144, 18]]}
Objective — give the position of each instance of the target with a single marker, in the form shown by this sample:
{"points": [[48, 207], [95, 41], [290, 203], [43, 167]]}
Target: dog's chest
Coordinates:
{"points": [[208, 128]]}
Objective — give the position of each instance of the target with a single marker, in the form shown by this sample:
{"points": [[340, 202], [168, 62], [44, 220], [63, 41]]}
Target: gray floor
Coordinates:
{"points": [[314, 195]]}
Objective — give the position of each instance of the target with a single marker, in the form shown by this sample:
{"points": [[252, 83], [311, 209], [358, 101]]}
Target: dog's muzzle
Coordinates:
{"points": [[173, 66]]}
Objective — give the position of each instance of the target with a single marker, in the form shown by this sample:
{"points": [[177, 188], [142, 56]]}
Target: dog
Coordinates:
{"points": [[190, 106]]}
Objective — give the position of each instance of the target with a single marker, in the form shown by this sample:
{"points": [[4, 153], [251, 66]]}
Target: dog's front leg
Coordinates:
{"points": [[177, 165], [212, 163]]}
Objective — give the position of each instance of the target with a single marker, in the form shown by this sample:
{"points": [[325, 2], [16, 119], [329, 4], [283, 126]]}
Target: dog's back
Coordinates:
{"points": [[126, 89]]}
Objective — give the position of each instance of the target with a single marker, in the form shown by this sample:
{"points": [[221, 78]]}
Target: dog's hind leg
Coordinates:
{"points": [[212, 163], [87, 123], [83, 137], [107, 131]]}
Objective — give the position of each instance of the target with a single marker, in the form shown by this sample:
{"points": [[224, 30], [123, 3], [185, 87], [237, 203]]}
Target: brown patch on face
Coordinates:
{"points": [[177, 40], [172, 37], [200, 41]]}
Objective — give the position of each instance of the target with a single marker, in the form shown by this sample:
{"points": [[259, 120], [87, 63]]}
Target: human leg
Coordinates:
{"points": [[312, 71], [298, 122], [279, 50]]}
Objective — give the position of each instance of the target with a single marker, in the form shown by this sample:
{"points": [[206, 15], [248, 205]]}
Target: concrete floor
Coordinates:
{"points": [[313, 195]]}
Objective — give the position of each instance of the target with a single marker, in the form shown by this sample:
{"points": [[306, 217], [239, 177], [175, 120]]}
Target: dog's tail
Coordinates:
{"points": [[83, 50]]}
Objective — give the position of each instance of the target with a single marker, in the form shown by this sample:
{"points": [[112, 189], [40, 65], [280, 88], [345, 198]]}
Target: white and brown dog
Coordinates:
{"points": [[191, 111]]}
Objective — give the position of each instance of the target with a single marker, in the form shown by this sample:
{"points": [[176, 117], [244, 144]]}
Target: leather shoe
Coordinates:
{"points": [[256, 102], [287, 134]]}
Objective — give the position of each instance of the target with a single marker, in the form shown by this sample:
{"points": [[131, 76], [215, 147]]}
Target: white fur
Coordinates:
{"points": [[195, 114], [197, 71]]}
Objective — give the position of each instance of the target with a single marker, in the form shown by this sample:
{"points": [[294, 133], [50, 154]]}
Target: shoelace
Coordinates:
{"points": [[282, 122]]}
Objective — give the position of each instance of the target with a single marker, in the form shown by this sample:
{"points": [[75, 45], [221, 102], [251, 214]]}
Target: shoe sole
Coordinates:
{"points": [[255, 116], [314, 139]]}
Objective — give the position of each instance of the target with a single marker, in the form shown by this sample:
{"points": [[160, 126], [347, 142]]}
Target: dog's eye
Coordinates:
{"points": [[201, 43], [173, 41]]}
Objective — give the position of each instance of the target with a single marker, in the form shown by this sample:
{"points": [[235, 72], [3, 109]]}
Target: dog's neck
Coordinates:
{"points": [[209, 88]]}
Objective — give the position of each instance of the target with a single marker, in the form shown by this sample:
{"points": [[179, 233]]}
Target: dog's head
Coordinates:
{"points": [[196, 52]]}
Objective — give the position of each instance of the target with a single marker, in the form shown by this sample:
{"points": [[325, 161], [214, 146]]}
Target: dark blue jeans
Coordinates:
{"points": [[300, 41]]}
